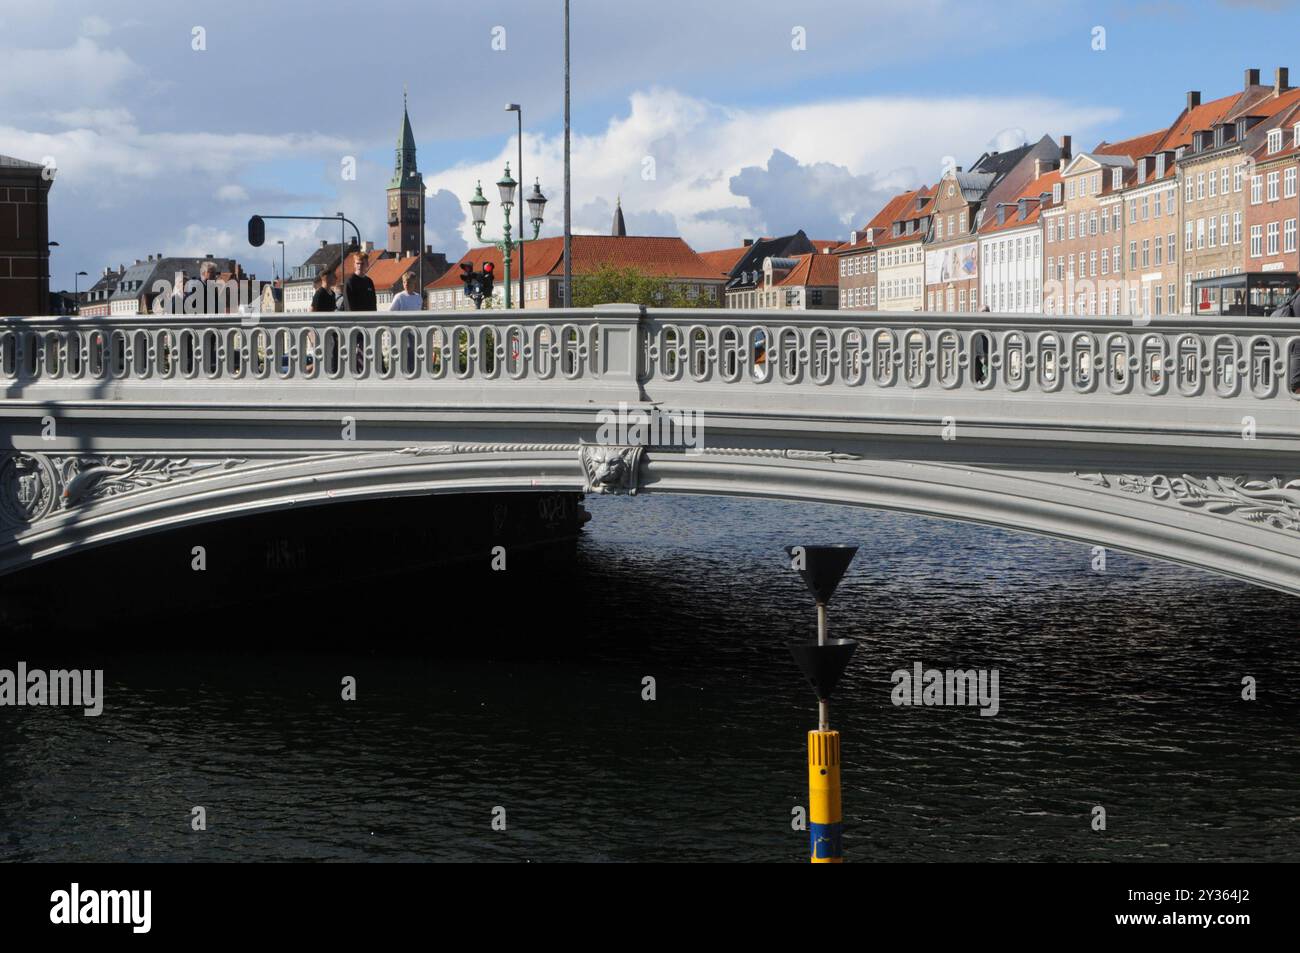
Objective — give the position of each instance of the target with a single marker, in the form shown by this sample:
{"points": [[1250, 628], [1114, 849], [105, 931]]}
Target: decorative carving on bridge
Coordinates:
{"points": [[29, 488], [612, 469], [1273, 501], [33, 486]]}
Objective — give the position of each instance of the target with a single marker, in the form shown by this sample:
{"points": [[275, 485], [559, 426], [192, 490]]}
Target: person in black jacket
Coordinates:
{"points": [[323, 299], [358, 290]]}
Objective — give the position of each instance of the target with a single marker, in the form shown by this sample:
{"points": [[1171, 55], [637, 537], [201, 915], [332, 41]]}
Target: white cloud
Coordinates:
{"points": [[723, 174], [231, 193], [95, 26]]}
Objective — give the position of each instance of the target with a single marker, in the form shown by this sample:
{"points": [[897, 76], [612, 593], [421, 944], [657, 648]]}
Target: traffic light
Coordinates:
{"points": [[256, 231], [487, 276]]}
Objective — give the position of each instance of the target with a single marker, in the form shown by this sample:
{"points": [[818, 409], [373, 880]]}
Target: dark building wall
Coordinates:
{"points": [[24, 234]]}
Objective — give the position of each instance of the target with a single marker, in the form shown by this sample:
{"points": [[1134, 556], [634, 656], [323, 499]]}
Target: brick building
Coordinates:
{"points": [[24, 237], [1271, 222], [668, 258]]}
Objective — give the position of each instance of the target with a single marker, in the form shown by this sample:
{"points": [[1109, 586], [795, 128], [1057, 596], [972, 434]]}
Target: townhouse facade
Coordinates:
{"points": [[1219, 184], [1271, 222], [900, 261], [1011, 249], [1083, 236]]}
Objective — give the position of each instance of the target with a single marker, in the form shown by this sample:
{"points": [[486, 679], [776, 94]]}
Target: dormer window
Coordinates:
{"points": [[1056, 193], [1274, 141], [1295, 136], [1116, 179], [1160, 165], [1241, 129]]}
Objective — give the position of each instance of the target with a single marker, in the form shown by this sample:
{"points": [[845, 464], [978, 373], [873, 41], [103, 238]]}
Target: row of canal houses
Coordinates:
{"points": [[1123, 229]]}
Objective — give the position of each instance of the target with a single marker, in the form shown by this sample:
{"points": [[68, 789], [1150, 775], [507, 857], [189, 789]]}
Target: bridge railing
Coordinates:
{"points": [[1002, 353], [775, 350]]}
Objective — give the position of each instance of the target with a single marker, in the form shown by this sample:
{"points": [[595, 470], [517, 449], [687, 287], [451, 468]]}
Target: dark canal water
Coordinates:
{"points": [[523, 689]]}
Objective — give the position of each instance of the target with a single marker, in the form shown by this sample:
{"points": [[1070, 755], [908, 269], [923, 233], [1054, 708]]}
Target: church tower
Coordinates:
{"points": [[405, 196]]}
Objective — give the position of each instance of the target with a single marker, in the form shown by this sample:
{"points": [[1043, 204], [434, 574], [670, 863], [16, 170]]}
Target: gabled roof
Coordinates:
{"points": [[1132, 148], [814, 270], [1039, 186], [724, 259], [658, 256]]}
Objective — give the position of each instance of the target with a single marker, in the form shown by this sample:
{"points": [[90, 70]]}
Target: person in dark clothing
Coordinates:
{"points": [[358, 290], [323, 299]]}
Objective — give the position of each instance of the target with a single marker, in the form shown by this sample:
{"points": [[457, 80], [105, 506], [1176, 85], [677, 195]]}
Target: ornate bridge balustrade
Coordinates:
{"points": [[1179, 438], [1189, 358]]}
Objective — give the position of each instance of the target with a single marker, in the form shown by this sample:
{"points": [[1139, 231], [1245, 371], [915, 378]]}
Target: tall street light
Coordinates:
{"points": [[76, 291], [568, 198], [478, 209], [519, 114]]}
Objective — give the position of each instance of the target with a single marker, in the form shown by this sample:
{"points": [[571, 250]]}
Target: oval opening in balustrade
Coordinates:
{"points": [[488, 351], [1049, 360], [9, 353], [408, 346], [946, 358], [1081, 360], [1117, 358], [729, 353], [915, 354], [670, 341], [758, 348], [355, 358], [261, 353], [211, 353], [1225, 364], [460, 352], [789, 351], [699, 352], [1293, 366], [853, 345], [980, 348], [437, 341], [140, 354], [571, 361], [1189, 364], [117, 355], [332, 352], [96, 349], [53, 365], [283, 352], [1262, 356], [73, 343]]}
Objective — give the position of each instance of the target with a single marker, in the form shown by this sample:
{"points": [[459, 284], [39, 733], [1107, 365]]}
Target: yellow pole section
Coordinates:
{"points": [[825, 825]]}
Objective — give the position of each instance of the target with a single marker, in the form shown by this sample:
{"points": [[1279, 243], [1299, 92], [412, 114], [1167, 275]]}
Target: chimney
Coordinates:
{"points": [[1252, 78], [428, 249], [139, 262], [1193, 99], [150, 258], [1282, 78], [369, 247], [748, 242], [1065, 150]]}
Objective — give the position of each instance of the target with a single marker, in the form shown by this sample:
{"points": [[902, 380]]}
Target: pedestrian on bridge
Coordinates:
{"points": [[358, 290], [323, 299], [407, 299]]}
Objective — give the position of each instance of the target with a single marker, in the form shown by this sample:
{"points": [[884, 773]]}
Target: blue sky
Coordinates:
{"points": [[704, 117]]}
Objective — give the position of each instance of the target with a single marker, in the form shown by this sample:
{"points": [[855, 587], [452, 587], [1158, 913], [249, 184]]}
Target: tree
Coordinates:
{"points": [[611, 285]]}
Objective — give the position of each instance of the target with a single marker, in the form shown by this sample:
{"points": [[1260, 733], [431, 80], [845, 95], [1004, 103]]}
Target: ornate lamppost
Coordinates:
{"points": [[478, 209]]}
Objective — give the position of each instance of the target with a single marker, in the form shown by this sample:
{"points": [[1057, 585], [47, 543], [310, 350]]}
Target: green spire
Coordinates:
{"points": [[405, 171]]}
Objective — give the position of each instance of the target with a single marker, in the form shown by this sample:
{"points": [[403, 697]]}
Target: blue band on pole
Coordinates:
{"points": [[826, 840]]}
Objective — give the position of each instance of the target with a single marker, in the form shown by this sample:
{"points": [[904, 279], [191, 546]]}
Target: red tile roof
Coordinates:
{"points": [[724, 259], [662, 257], [817, 270], [1137, 146]]}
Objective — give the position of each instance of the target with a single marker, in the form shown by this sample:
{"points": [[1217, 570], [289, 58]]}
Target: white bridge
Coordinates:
{"points": [[1177, 439]]}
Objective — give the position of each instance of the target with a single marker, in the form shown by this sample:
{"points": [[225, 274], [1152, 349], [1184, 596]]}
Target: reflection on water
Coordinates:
{"points": [[523, 690]]}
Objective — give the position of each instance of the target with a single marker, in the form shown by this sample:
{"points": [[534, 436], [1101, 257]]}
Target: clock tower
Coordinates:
{"points": [[405, 196]]}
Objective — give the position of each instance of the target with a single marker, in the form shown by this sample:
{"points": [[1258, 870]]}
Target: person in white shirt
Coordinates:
{"points": [[407, 299]]}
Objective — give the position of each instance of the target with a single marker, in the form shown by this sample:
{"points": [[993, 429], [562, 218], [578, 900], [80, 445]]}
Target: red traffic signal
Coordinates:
{"points": [[488, 268]]}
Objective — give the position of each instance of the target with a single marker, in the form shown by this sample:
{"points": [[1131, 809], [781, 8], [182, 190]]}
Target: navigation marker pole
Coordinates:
{"points": [[822, 663]]}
